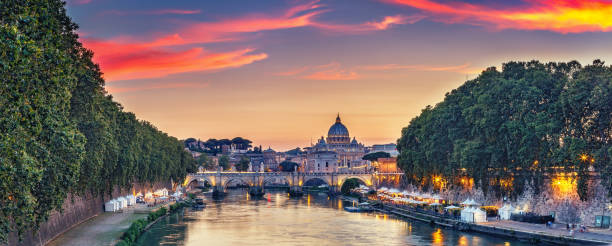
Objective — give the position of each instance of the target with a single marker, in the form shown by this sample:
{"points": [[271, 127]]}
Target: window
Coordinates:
{"points": [[326, 164]]}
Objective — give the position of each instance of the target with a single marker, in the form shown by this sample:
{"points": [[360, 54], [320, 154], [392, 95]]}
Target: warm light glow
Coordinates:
{"points": [[437, 237], [584, 157], [563, 185]]}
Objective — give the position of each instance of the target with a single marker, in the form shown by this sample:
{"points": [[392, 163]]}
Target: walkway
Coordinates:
{"points": [[102, 230], [602, 235]]}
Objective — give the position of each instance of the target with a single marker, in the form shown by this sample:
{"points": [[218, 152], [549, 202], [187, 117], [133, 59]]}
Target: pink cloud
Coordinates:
{"points": [[131, 57], [563, 16], [155, 63]]}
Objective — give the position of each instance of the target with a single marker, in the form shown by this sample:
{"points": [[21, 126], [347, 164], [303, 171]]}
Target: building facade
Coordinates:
{"points": [[337, 152]]}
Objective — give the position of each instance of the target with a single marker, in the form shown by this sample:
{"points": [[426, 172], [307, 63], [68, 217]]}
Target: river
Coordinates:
{"points": [[311, 220]]}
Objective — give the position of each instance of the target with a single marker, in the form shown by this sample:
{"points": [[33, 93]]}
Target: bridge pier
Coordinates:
{"points": [[256, 189], [295, 186]]}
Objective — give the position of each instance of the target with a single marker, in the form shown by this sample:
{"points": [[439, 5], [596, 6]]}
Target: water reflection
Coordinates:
{"points": [[280, 220]]}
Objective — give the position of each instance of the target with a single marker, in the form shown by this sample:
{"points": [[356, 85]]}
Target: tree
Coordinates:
{"points": [[506, 129], [59, 131], [288, 166], [374, 156], [348, 185], [224, 162], [243, 164], [205, 161]]}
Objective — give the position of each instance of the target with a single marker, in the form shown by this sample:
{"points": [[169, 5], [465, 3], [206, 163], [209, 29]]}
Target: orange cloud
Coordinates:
{"points": [[158, 63], [114, 90], [563, 16], [127, 57], [331, 71]]}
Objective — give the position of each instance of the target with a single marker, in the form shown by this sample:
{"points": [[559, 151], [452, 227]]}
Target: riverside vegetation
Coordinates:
{"points": [[510, 129], [61, 133]]}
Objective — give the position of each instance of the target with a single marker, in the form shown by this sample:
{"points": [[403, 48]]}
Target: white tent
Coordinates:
{"points": [[467, 215], [505, 212], [479, 215], [131, 200], [122, 202], [451, 207], [394, 191], [109, 206]]}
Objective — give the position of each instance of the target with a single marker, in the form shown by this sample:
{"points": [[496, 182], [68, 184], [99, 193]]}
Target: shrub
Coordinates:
{"points": [[532, 218]]}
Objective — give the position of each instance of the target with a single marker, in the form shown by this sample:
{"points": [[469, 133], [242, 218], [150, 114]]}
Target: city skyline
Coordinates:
{"points": [[278, 72]]}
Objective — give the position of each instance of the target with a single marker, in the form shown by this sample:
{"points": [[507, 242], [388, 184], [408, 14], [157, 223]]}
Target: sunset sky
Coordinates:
{"points": [[277, 72]]}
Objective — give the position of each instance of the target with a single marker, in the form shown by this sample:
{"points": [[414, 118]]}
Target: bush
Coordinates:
{"points": [[176, 206], [131, 235], [532, 218], [156, 214]]}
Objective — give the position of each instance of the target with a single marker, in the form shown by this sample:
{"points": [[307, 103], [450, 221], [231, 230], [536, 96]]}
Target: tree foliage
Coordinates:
{"points": [[60, 132], [374, 156], [288, 166], [243, 164], [516, 127]]}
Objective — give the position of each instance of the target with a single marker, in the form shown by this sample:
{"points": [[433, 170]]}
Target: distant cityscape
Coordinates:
{"points": [[335, 153]]}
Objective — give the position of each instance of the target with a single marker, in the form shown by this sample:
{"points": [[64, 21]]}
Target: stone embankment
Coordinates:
{"points": [[514, 230], [76, 210]]}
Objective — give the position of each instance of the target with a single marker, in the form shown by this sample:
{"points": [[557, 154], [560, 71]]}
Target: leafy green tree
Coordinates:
{"points": [[224, 162], [60, 133], [205, 161], [348, 185], [507, 129], [243, 164], [374, 156], [288, 166]]}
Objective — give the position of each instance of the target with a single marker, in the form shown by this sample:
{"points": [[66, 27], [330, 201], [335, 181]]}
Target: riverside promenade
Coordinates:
{"points": [[533, 233], [104, 229]]}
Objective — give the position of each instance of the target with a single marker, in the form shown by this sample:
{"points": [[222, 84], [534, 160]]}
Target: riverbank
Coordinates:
{"points": [[103, 229], [531, 233]]}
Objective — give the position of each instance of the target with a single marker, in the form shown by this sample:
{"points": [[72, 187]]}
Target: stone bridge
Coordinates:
{"points": [[221, 180]]}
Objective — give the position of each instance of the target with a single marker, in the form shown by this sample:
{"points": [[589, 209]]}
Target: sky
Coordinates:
{"points": [[278, 72]]}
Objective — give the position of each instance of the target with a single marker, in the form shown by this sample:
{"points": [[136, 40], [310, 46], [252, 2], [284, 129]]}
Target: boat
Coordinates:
{"points": [[365, 207], [199, 203], [353, 209]]}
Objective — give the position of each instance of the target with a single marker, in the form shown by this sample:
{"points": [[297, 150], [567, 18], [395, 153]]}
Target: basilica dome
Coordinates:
{"points": [[338, 134]]}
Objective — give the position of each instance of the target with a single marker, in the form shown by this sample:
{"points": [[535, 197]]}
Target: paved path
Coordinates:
{"points": [[603, 235], [103, 230]]}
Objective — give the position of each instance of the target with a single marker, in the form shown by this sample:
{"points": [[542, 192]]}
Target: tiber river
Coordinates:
{"points": [[311, 220]]}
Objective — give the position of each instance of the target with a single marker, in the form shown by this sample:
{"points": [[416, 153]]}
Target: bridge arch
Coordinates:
{"points": [[367, 181], [311, 179], [199, 178], [240, 180], [267, 180]]}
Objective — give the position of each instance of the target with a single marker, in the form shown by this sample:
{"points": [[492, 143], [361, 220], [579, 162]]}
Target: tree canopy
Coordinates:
{"points": [[288, 166], [374, 156], [60, 132], [507, 129]]}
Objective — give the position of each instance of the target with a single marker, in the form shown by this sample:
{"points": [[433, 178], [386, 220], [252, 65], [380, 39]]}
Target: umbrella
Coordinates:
{"points": [[451, 207], [435, 204]]}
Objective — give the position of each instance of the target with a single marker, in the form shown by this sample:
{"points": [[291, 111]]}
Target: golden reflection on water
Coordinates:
{"points": [[463, 241], [311, 220], [437, 237]]}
